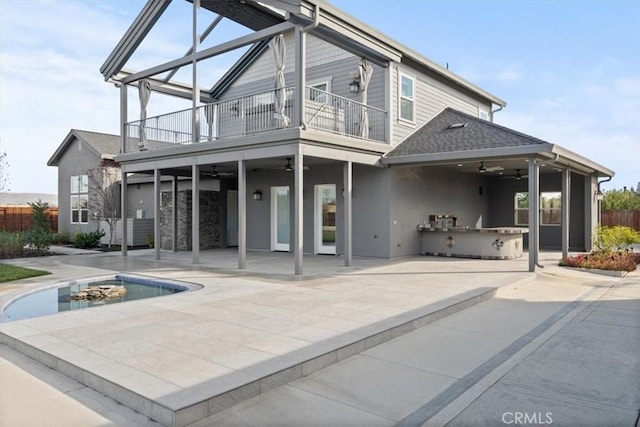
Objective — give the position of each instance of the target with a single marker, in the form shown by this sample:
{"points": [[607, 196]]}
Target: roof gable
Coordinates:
{"points": [[103, 145]]}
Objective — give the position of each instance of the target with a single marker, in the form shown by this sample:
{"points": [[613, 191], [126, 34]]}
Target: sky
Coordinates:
{"points": [[568, 70]]}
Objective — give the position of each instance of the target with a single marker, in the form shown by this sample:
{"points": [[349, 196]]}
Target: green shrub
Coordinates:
{"points": [[616, 238], [38, 241], [11, 244], [61, 238], [149, 241], [87, 240]]}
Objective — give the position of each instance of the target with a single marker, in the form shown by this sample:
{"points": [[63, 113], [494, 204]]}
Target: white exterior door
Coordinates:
{"points": [[280, 218], [325, 219]]}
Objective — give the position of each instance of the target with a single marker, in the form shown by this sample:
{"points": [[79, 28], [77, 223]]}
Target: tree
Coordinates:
{"points": [[104, 200], [4, 176], [39, 235], [620, 200]]}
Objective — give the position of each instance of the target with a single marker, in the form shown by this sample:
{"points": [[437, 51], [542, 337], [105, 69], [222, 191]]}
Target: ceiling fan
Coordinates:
{"points": [[482, 168], [518, 176], [218, 174], [289, 166]]}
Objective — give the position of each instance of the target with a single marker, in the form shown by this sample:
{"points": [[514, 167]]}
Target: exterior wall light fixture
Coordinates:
{"points": [[354, 86], [257, 195]]}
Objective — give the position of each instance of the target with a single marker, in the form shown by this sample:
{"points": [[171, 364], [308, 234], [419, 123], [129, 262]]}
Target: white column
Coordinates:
{"points": [[298, 212], [123, 213], [195, 213], [174, 214], [242, 214], [534, 213], [348, 215], [123, 181], [194, 68], [566, 198], [300, 75], [156, 212]]}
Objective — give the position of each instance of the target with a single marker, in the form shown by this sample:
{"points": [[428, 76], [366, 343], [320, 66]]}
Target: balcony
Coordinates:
{"points": [[255, 114]]}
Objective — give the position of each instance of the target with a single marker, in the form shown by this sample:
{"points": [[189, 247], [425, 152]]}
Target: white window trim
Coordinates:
{"points": [[318, 82], [79, 194], [487, 113], [540, 216], [400, 97]]}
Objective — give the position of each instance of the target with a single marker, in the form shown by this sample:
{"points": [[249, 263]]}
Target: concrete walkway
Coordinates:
{"points": [[183, 357], [560, 351]]}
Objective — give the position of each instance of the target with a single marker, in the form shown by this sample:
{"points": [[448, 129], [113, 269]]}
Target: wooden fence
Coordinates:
{"points": [[18, 218], [627, 218]]}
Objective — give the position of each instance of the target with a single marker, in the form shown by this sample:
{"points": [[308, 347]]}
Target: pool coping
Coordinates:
{"points": [[139, 278]]}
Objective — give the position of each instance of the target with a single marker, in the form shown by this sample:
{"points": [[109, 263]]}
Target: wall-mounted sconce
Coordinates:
{"points": [[257, 195], [599, 195], [354, 86]]}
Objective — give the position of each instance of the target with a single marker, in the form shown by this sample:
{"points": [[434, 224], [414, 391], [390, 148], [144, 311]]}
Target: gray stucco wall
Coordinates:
{"points": [[502, 193], [76, 160], [417, 192], [370, 207]]}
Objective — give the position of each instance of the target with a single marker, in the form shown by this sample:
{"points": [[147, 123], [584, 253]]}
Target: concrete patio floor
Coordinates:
{"points": [[181, 358]]}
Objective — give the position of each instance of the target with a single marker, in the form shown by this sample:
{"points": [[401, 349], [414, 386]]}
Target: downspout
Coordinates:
{"points": [[304, 30], [599, 193], [497, 110]]}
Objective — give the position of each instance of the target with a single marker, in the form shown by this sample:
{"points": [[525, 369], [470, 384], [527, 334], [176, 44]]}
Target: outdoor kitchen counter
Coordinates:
{"points": [[463, 242]]}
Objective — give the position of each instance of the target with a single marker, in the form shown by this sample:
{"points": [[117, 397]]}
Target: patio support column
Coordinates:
{"points": [[298, 177], [566, 198], [195, 94], [123, 182], [123, 213], [195, 213], [242, 214], [348, 214], [534, 213], [156, 212], [300, 76], [174, 214]]}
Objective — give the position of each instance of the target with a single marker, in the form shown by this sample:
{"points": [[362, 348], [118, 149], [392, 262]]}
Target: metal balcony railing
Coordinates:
{"points": [[252, 114]]}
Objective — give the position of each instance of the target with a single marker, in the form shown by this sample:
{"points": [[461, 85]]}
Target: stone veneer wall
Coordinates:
{"points": [[209, 220]]}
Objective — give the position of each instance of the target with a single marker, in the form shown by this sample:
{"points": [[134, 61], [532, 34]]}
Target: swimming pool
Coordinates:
{"points": [[63, 297]]}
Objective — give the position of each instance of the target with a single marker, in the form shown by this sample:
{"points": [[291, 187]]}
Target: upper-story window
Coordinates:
{"points": [[80, 199], [318, 90], [407, 98]]}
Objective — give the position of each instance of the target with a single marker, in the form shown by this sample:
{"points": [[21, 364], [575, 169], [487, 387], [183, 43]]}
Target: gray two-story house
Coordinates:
{"points": [[329, 137]]}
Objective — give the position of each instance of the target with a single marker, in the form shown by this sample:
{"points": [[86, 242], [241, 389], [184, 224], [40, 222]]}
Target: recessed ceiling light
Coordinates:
{"points": [[543, 165], [459, 165]]}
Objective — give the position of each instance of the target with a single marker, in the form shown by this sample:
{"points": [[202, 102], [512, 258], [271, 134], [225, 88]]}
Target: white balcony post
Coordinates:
{"points": [[300, 76], [348, 213], [534, 213], [156, 212], [195, 123], [123, 213], [242, 214], [298, 232], [195, 213], [566, 199], [174, 214]]}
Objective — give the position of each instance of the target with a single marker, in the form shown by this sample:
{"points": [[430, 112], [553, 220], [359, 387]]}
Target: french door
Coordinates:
{"points": [[280, 221], [325, 219]]}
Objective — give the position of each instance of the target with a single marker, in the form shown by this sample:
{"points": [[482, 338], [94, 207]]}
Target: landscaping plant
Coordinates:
{"points": [[38, 237], [614, 251], [87, 240]]}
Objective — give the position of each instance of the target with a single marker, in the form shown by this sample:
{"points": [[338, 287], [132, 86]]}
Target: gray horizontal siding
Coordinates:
{"points": [[431, 97]]}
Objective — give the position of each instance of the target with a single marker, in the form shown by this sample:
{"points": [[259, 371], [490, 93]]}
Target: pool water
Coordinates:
{"points": [[56, 300]]}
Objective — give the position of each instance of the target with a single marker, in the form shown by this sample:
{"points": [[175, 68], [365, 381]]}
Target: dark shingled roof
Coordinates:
{"points": [[473, 133], [102, 144]]}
